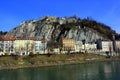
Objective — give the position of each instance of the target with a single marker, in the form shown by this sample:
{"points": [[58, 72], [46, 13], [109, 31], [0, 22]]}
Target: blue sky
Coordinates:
{"points": [[13, 12]]}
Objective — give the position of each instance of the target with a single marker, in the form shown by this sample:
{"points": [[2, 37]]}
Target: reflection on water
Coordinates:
{"points": [[91, 71]]}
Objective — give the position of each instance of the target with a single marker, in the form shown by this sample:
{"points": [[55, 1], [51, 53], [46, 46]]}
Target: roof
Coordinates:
{"points": [[25, 38], [7, 38], [43, 40], [21, 38]]}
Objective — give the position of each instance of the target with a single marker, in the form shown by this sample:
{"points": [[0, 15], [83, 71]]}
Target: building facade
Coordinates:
{"points": [[8, 45], [118, 44], [40, 46], [24, 47], [78, 46], [68, 44], [107, 46], [1, 45], [89, 46]]}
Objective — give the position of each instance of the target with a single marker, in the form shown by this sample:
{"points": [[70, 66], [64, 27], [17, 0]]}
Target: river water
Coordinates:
{"points": [[89, 71]]}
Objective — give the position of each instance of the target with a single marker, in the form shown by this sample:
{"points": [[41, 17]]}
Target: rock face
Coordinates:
{"points": [[2, 33], [54, 28]]}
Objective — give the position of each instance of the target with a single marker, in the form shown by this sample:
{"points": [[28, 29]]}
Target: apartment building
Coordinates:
{"points": [[118, 44], [78, 46], [40, 46], [1, 44], [107, 46], [24, 45], [68, 44], [8, 45]]}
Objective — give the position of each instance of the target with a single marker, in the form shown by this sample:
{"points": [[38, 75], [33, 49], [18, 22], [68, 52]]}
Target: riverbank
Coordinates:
{"points": [[14, 62]]}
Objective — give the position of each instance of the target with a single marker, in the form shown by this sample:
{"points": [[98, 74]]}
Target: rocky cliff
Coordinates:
{"points": [[70, 27], [2, 33]]}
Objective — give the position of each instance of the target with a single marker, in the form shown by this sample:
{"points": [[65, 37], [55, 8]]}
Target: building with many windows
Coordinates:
{"points": [[40, 46], [1, 45], [24, 45], [68, 44], [8, 45]]}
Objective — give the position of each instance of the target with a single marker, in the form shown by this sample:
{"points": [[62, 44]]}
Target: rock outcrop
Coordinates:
{"points": [[2, 33], [53, 27]]}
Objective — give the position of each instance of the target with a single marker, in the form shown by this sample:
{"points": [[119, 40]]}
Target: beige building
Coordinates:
{"points": [[24, 47], [68, 44], [118, 44]]}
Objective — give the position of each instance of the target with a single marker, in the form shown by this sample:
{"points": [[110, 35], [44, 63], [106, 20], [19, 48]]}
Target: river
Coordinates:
{"points": [[88, 71]]}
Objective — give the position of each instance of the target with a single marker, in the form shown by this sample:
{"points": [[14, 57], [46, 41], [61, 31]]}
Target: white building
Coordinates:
{"points": [[1, 45], [89, 46], [107, 46], [118, 44], [78, 46], [8, 45], [40, 46], [56, 50], [112, 47], [37, 46]]}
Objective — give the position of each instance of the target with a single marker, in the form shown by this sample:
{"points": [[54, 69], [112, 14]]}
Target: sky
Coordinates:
{"points": [[14, 12]]}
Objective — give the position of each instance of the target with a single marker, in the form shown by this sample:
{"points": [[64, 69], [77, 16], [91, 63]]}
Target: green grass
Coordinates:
{"points": [[44, 60]]}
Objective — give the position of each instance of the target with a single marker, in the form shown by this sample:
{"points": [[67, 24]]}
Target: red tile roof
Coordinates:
{"points": [[21, 38], [25, 38], [43, 40], [8, 38]]}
